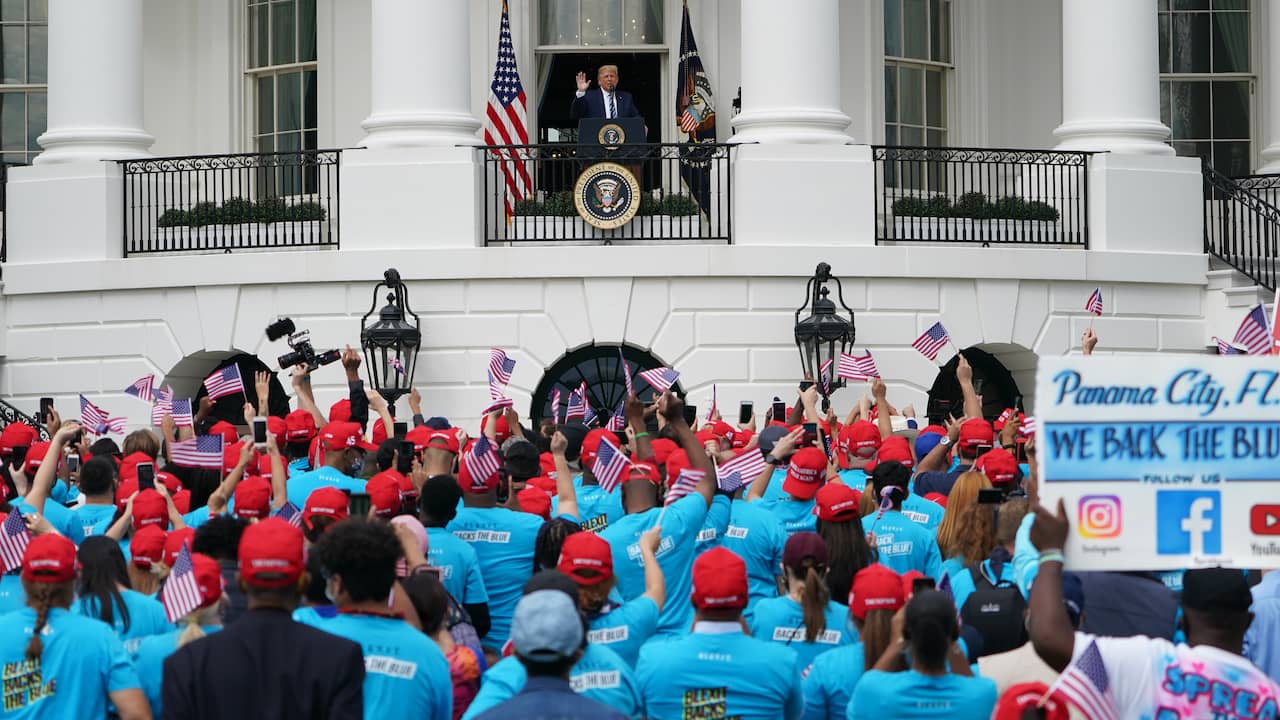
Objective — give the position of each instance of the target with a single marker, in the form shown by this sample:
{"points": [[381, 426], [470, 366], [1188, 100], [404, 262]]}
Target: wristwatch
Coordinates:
{"points": [[772, 460], [945, 441]]}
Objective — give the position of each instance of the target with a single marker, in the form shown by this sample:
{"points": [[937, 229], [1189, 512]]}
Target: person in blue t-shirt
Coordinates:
{"points": [[840, 525], [459, 565], [38, 476], [98, 491], [587, 559], [202, 620], [805, 619], [806, 473], [344, 447], [104, 594], [939, 682], [56, 663], [680, 520], [405, 672], [903, 545], [718, 669], [756, 535]]}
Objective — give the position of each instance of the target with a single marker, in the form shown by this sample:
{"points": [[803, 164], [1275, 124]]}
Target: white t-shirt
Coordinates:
{"points": [[1153, 679]]}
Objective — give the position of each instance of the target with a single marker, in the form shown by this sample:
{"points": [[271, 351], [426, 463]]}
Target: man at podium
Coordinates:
{"points": [[607, 101]]}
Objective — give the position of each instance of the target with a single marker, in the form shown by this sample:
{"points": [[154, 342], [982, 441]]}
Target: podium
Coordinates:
{"points": [[617, 140]]}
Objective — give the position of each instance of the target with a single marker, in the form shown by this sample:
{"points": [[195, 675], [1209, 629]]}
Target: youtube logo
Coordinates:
{"points": [[1265, 519]]}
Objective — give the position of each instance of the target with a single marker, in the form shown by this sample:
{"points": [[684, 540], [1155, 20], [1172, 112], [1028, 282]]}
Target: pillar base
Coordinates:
{"points": [[803, 195], [793, 125], [1270, 160], [410, 198], [79, 205], [1129, 137], [1146, 204], [78, 144], [420, 129]]}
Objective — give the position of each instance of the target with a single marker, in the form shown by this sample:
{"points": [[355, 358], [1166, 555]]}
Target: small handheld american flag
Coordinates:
{"points": [[290, 514], [181, 593], [577, 405], [182, 414], [686, 482], [224, 381], [95, 419], [590, 417], [1226, 348], [932, 340], [141, 388], [14, 538], [626, 373], [857, 367], [482, 461], [1086, 685], [555, 406], [824, 376], [498, 404], [1253, 334], [1028, 426], [618, 422], [662, 379], [201, 451], [741, 470], [609, 465], [1094, 303]]}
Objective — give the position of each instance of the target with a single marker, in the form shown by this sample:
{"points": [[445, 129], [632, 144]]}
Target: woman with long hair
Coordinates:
{"points": [[205, 618], [434, 607], [877, 593], [840, 525], [58, 664], [805, 619], [104, 592], [967, 531]]}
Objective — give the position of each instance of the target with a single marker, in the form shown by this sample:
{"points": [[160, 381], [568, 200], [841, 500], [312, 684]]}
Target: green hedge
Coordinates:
{"points": [[975, 206], [560, 204], [236, 211]]}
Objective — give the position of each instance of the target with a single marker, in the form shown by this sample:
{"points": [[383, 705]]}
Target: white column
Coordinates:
{"points": [[1110, 78], [420, 92], [95, 82], [791, 73], [1271, 73]]}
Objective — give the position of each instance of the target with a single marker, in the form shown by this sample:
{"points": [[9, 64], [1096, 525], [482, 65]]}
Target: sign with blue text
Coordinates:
{"points": [[1164, 462]]}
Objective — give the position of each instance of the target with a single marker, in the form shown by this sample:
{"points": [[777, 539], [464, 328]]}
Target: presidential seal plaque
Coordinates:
{"points": [[607, 195]]}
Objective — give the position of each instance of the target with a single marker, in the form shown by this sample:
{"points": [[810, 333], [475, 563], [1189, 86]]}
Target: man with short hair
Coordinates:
{"points": [[265, 665], [98, 492], [457, 560], [344, 447], [607, 102]]}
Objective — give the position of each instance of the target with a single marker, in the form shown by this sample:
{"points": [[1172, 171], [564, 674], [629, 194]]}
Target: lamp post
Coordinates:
{"points": [[391, 343], [823, 335]]}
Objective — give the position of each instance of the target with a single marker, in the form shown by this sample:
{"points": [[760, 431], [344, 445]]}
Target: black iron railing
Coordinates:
{"points": [[223, 203], [685, 194], [1242, 223], [987, 196], [10, 414]]}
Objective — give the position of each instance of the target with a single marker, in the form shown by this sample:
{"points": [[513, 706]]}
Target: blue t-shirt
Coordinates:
{"points": [[302, 485], [962, 585], [94, 519], [12, 596], [715, 525], [830, 682], [781, 620], [64, 494], [912, 695], [404, 671], [905, 545], [149, 658], [597, 509], [625, 628], [757, 536], [680, 525], [795, 515], [925, 512], [82, 663], [459, 566], [197, 517], [504, 541], [146, 616], [774, 491], [599, 674], [60, 517], [726, 674]]}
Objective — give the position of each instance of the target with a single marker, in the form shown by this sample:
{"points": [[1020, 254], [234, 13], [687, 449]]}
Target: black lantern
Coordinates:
{"points": [[391, 343], [824, 334]]}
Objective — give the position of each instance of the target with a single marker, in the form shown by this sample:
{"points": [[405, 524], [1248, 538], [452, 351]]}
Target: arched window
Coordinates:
{"points": [[601, 369]]}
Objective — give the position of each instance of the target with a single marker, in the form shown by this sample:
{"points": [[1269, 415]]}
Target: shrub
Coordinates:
{"points": [[1011, 208], [173, 217], [1042, 211], [305, 211], [205, 213], [678, 205], [972, 205], [938, 206], [270, 210], [910, 207], [649, 206], [237, 210]]}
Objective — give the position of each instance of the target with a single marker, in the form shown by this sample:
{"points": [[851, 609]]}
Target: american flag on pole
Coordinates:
{"points": [[1252, 334], [201, 451], [181, 593], [483, 460], [500, 367], [182, 414], [555, 406], [498, 404], [141, 388], [505, 119], [1226, 348], [932, 340], [626, 373], [662, 378], [577, 405], [590, 417], [224, 381], [1086, 685], [1094, 303], [609, 465], [857, 367], [686, 482], [824, 376], [96, 421], [741, 470], [14, 538], [618, 422], [290, 514]]}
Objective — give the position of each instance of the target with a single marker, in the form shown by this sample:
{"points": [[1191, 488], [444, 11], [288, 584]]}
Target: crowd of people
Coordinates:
{"points": [[876, 566]]}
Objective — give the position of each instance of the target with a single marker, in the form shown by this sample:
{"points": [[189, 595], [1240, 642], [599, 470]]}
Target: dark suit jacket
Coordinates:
{"points": [[591, 105], [265, 665]]}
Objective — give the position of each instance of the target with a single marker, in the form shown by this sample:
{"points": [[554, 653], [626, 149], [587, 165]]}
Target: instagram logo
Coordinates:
{"points": [[1098, 516]]}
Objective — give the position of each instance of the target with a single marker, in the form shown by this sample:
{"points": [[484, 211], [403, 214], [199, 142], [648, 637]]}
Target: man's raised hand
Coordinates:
{"points": [[583, 82]]}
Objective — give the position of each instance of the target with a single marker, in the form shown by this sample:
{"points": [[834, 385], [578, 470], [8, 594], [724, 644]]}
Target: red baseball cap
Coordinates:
{"points": [[741, 438], [419, 436], [546, 483], [805, 473], [587, 558], [937, 497], [253, 498], [591, 444], [231, 457], [147, 546], [130, 486], [170, 481], [974, 433], [340, 411], [384, 493], [472, 484], [49, 558], [662, 449], [271, 554], [182, 501], [174, 542], [208, 578], [677, 461], [501, 430], [378, 434], [277, 429], [343, 435], [836, 502], [643, 471], [909, 579], [226, 430], [299, 426], [707, 435], [444, 440], [325, 502], [860, 439], [149, 508], [16, 435], [547, 463], [129, 465], [535, 501], [1005, 416], [719, 580], [894, 448], [1031, 696], [35, 456], [875, 587], [999, 465]]}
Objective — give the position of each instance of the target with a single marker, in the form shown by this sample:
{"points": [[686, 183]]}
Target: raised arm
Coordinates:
{"points": [[937, 457], [262, 385], [964, 374], [379, 405], [1050, 628], [355, 387], [46, 474], [279, 477], [306, 399], [567, 504], [781, 449], [883, 419], [655, 585], [672, 408], [1088, 341]]}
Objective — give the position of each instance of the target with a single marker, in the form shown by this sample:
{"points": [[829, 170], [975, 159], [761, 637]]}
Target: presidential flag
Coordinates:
{"points": [[14, 538], [1086, 685], [609, 466], [506, 122], [686, 482], [1094, 303], [141, 388], [224, 381], [577, 405], [741, 470], [181, 592], [1252, 334], [662, 379], [696, 116], [932, 340], [201, 451], [857, 367], [95, 419]]}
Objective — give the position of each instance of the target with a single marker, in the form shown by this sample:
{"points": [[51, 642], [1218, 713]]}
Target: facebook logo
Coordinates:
{"points": [[1188, 522]]}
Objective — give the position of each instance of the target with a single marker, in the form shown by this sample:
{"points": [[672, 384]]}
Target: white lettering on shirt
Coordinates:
{"points": [[595, 680], [715, 657], [916, 517], [706, 535], [796, 634], [484, 536], [735, 532], [609, 635], [633, 550], [383, 665], [889, 547]]}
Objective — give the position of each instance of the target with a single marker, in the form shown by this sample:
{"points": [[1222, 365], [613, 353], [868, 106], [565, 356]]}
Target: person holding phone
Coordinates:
{"points": [[344, 449], [903, 544], [806, 472], [38, 476]]}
